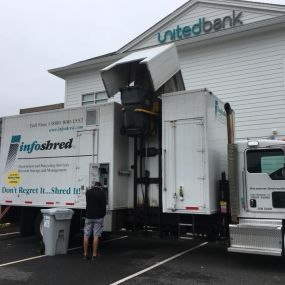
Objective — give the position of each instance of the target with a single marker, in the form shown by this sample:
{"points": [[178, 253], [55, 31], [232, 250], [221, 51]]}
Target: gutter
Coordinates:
{"points": [[103, 60]]}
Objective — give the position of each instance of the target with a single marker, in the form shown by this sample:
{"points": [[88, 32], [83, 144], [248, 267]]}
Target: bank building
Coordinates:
{"points": [[235, 49]]}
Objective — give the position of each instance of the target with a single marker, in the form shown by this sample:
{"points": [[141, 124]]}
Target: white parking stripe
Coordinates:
{"points": [[104, 241], [8, 234], [21, 260], [40, 256], [158, 264]]}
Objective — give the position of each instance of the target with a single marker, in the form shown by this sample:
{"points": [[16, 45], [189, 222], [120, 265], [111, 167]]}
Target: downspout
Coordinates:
{"points": [[160, 170], [93, 146]]}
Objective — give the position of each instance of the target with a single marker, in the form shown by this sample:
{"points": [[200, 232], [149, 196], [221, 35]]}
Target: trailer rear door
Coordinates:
{"points": [[184, 164]]}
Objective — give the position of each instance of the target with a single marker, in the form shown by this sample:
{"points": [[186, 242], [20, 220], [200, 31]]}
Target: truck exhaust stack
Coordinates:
{"points": [[230, 123]]}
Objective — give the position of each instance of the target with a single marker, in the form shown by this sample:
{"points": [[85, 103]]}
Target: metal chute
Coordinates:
{"points": [[150, 69]]}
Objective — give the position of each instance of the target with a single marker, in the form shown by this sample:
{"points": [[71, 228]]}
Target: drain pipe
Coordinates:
{"points": [[232, 165]]}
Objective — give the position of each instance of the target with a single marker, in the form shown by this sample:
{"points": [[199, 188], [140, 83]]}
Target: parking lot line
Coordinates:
{"points": [[40, 256], [21, 260], [158, 264], [9, 234], [104, 241]]}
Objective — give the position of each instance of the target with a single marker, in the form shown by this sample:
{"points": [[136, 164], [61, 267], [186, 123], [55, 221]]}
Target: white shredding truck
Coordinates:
{"points": [[162, 156], [49, 159]]}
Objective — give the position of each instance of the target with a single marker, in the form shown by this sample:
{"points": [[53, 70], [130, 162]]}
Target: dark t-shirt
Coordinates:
{"points": [[95, 204]]}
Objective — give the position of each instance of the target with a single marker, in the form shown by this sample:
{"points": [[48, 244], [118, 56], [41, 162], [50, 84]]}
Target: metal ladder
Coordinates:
{"points": [[186, 230]]}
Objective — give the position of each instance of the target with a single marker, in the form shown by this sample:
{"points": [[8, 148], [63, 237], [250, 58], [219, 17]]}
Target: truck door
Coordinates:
{"points": [[260, 229], [88, 153], [184, 165], [264, 180]]}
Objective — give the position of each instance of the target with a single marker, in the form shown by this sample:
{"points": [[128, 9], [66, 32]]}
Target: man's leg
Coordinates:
{"points": [[97, 231], [87, 232], [95, 245], [85, 245]]}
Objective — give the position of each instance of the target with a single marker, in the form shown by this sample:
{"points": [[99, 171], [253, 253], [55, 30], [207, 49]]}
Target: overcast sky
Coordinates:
{"points": [[40, 35]]}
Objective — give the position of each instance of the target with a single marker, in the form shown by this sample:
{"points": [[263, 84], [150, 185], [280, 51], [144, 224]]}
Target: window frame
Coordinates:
{"points": [[101, 100], [259, 152], [94, 100]]}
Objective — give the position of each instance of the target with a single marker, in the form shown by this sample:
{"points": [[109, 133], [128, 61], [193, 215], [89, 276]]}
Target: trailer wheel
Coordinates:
{"points": [[39, 226], [28, 214]]}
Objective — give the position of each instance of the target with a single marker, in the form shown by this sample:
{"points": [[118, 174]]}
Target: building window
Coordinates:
{"points": [[94, 98], [88, 99], [101, 97]]}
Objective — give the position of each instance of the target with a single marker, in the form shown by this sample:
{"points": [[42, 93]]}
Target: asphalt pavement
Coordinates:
{"points": [[137, 260]]}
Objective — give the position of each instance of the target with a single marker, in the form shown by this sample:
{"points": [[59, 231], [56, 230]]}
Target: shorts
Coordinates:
{"points": [[93, 227]]}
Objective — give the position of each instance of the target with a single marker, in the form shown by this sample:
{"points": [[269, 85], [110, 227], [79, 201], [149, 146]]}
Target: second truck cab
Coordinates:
{"points": [[259, 201]]}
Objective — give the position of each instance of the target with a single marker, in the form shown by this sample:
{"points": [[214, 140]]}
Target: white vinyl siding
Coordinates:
{"points": [[80, 84], [210, 12], [284, 72], [246, 72]]}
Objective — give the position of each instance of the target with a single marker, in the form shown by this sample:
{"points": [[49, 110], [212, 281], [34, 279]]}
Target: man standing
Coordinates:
{"points": [[95, 212]]}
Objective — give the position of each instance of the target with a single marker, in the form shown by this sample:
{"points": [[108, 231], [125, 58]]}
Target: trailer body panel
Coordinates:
{"points": [[194, 151], [47, 157]]}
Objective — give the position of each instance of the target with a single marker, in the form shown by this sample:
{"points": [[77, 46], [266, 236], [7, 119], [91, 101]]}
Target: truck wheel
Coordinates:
{"points": [[39, 226]]}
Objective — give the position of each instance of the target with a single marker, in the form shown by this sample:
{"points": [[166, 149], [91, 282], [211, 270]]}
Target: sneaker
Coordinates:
{"points": [[96, 257], [85, 257]]}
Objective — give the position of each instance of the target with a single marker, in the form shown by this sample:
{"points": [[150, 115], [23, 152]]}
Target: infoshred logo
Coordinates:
{"points": [[202, 26], [48, 145], [12, 153], [15, 145], [220, 113]]}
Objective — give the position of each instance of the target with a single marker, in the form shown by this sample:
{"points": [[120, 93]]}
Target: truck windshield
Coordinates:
{"points": [[270, 161]]}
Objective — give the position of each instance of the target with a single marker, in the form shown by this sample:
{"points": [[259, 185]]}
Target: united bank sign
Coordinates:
{"points": [[201, 26]]}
